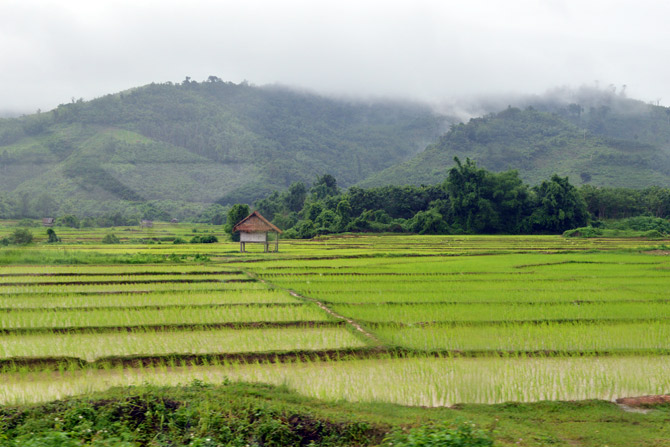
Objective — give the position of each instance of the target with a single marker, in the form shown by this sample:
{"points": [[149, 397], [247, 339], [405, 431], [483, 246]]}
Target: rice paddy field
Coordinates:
{"points": [[412, 320]]}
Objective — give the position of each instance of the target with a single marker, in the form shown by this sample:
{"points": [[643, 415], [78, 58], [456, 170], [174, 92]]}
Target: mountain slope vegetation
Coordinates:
{"points": [[204, 142], [178, 148], [538, 144]]}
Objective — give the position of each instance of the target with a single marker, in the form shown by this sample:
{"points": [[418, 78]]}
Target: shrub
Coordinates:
{"points": [[583, 232], [110, 239], [290, 234], [465, 435], [642, 223], [21, 236], [178, 240], [205, 239], [52, 236], [653, 234]]}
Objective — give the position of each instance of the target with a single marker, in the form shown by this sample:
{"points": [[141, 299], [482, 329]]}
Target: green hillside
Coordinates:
{"points": [[605, 113], [202, 142], [538, 144], [178, 148]]}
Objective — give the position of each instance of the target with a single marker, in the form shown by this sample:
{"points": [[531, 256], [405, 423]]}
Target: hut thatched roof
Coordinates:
{"points": [[255, 223]]}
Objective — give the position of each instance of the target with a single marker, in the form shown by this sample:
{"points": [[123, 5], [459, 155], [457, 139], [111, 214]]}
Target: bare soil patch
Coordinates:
{"points": [[644, 401]]}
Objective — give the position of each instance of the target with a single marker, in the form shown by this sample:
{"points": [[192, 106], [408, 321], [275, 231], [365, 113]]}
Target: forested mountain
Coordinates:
{"points": [[171, 150], [201, 142], [623, 145]]}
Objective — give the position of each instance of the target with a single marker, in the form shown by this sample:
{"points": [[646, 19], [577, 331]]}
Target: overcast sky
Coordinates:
{"points": [[52, 51]]}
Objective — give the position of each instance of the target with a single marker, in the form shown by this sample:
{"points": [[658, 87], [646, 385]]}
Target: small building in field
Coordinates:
{"points": [[48, 221], [254, 229], [174, 220], [146, 223]]}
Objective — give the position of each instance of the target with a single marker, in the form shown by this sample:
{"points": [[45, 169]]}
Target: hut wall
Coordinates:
{"points": [[253, 237]]}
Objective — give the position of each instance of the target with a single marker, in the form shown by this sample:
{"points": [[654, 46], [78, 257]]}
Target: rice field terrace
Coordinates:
{"points": [[414, 320]]}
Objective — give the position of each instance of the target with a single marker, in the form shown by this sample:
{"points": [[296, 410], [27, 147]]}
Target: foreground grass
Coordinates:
{"points": [[239, 414]]}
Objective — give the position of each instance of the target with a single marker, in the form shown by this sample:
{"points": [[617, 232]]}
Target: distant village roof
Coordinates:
{"points": [[255, 223]]}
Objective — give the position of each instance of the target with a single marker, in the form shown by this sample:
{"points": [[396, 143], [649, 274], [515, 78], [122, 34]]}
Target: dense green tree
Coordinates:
{"points": [[325, 186], [327, 222], [285, 220], [271, 205], [68, 220], [236, 213], [558, 207], [512, 201], [295, 199], [311, 210], [657, 200], [8, 206], [428, 222], [485, 202], [619, 203], [344, 212], [305, 229]]}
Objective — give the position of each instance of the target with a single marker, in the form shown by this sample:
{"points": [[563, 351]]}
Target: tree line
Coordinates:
{"points": [[471, 200]]}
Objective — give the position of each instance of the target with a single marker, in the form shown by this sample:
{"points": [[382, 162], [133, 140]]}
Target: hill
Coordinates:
{"points": [[203, 142], [600, 147]]}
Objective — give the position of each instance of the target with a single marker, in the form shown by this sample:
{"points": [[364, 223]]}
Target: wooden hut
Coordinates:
{"points": [[254, 229], [146, 223], [48, 221]]}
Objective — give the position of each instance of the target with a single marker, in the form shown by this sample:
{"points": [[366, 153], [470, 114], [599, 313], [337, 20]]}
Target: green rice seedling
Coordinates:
{"points": [[128, 288], [406, 381], [91, 346], [9, 281], [647, 337], [76, 318], [47, 270], [501, 312], [165, 298], [470, 303]]}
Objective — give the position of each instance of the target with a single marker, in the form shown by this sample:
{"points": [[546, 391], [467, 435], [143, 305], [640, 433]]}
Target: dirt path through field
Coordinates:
{"points": [[351, 322], [348, 320]]}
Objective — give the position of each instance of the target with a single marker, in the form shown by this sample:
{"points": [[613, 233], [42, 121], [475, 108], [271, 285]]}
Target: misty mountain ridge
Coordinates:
{"points": [[214, 141], [205, 142], [590, 135]]}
